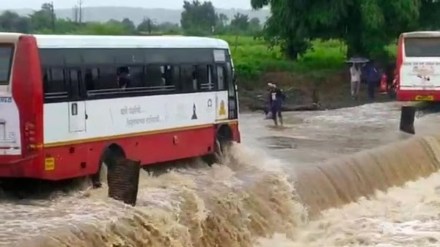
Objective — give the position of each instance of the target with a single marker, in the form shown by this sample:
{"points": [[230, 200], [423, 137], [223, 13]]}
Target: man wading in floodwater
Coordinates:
{"points": [[276, 98]]}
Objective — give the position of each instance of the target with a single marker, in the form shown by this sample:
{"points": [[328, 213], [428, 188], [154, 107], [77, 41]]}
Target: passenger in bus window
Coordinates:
{"points": [[187, 77], [167, 76], [194, 79], [88, 78], [124, 77]]}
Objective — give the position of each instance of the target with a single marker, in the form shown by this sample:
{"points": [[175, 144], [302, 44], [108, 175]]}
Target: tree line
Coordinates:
{"points": [[366, 26], [197, 18]]}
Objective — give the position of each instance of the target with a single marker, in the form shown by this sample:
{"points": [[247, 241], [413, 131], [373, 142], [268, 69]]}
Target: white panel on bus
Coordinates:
{"points": [[119, 116], [420, 74], [10, 139]]}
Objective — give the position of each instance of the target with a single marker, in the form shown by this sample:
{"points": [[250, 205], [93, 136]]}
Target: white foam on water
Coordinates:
{"points": [[406, 216]]}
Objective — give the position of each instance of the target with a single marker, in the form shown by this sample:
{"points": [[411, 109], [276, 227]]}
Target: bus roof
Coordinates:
{"points": [[9, 37], [106, 41], [422, 34]]}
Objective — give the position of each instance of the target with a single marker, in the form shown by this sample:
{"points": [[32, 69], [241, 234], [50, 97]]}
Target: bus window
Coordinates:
{"points": [[221, 78], [204, 77], [167, 75], [422, 47], [175, 75], [188, 82], [170, 77], [74, 83], [107, 78], [123, 77], [5, 63], [90, 78], [229, 78], [154, 76], [54, 83], [136, 76]]}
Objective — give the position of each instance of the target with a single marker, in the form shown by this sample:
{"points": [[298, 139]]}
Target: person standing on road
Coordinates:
{"points": [[373, 79], [355, 74], [276, 99]]}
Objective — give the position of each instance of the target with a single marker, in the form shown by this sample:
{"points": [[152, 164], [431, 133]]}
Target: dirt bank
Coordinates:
{"points": [[332, 91]]}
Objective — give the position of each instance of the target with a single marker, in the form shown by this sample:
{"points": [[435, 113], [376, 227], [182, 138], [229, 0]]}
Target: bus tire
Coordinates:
{"points": [[223, 140], [407, 117], [120, 174], [109, 158], [123, 181]]}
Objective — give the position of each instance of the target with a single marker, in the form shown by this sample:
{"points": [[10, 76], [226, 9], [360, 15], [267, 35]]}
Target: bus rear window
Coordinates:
{"points": [[422, 47], [5, 63]]}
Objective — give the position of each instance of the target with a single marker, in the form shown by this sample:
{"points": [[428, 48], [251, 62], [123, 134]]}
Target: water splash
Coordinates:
{"points": [[248, 198], [344, 180], [405, 216], [225, 205]]}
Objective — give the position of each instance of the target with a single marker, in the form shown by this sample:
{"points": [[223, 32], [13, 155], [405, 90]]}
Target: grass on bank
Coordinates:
{"points": [[253, 57]]}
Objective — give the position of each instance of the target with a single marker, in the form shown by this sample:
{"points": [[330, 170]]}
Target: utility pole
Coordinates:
{"points": [[80, 11], [52, 16], [149, 26], [75, 13]]}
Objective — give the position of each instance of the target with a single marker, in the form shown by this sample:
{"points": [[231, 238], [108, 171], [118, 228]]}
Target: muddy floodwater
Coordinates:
{"points": [[314, 182]]}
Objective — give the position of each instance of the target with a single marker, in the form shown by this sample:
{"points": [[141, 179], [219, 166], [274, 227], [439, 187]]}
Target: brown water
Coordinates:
{"points": [[195, 206], [338, 182], [306, 197], [404, 216]]}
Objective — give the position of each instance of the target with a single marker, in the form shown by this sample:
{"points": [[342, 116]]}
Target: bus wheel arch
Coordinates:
{"points": [[222, 140], [111, 152], [224, 135]]}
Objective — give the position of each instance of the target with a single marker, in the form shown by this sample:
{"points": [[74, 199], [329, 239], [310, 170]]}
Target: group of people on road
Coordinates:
{"points": [[360, 73], [368, 73]]}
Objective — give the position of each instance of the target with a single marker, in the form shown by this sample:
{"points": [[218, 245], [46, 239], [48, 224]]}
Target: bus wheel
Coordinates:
{"points": [[222, 143], [122, 175], [110, 157]]}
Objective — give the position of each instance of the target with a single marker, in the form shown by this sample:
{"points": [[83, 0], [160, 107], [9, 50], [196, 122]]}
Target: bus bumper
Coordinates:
{"points": [[418, 95]]}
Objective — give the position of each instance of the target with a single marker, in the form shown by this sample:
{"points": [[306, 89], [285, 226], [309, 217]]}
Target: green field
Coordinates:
{"points": [[253, 57]]}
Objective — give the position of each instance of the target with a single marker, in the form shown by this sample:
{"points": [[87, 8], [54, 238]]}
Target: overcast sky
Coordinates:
{"points": [[169, 4]]}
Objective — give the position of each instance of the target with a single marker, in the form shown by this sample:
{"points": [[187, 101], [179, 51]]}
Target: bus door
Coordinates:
{"points": [[232, 92], [226, 98], [77, 104]]}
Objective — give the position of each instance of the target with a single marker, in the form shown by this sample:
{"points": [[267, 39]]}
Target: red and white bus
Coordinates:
{"points": [[418, 66], [62, 106]]}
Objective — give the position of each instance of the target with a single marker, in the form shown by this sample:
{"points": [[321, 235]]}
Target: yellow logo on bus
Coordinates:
{"points": [[49, 164], [424, 98], [222, 110]]}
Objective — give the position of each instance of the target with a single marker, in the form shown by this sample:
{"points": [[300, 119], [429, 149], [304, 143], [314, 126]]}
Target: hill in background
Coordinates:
{"points": [[103, 14]]}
